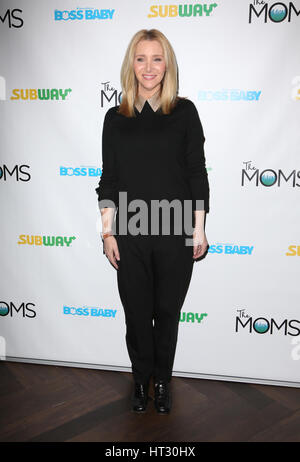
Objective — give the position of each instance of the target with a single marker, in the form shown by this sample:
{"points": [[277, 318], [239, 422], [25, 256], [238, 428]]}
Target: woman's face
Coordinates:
{"points": [[149, 66]]}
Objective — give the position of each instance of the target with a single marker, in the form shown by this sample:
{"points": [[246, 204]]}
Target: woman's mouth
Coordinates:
{"points": [[149, 76]]}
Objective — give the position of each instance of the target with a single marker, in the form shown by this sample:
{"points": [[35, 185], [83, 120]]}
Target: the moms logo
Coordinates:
{"points": [[277, 12], [268, 177], [108, 93], [10, 309], [17, 172], [261, 325], [12, 18]]}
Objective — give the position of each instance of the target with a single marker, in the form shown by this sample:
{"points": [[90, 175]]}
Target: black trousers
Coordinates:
{"points": [[153, 278]]}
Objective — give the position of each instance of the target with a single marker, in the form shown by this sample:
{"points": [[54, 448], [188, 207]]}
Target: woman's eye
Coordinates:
{"points": [[156, 59]]}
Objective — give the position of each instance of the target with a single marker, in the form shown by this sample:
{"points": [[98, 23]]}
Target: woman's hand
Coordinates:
{"points": [[200, 243], [111, 250]]}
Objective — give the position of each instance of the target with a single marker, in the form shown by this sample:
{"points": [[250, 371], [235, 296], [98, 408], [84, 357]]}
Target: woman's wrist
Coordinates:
{"points": [[199, 221], [106, 234], [199, 230]]}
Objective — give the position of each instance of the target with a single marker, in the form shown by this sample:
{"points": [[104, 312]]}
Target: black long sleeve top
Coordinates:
{"points": [[154, 155]]}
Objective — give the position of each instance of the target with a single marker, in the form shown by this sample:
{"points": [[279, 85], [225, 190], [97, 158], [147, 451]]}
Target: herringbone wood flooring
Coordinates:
{"points": [[56, 403]]}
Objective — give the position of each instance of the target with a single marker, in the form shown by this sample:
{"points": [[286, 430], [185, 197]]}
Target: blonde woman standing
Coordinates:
{"points": [[152, 151]]}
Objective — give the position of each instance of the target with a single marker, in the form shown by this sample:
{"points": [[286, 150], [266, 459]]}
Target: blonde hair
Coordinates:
{"points": [[129, 82]]}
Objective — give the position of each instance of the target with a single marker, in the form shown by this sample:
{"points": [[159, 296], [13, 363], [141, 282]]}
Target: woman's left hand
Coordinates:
{"points": [[200, 243]]}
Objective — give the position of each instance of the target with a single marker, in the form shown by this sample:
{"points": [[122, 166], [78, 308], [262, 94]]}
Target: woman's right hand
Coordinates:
{"points": [[111, 250]]}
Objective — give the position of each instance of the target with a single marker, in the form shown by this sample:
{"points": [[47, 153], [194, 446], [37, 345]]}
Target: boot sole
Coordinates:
{"points": [[138, 412]]}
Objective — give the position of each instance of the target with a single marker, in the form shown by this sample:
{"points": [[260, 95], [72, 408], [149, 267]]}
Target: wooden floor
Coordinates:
{"points": [[55, 403]]}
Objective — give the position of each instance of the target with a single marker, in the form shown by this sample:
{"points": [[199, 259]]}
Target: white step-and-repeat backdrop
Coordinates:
{"points": [[239, 62]]}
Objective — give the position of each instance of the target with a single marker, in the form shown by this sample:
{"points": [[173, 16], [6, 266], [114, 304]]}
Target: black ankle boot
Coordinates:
{"points": [[162, 396], [140, 397]]}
